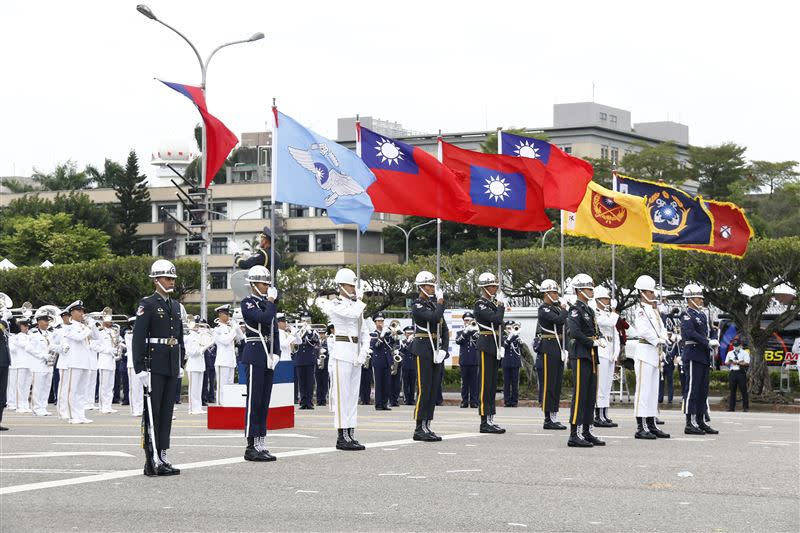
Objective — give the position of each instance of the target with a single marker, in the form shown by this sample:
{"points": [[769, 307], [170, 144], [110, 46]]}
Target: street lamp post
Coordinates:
{"points": [[407, 234], [147, 12], [162, 243], [545, 236]]}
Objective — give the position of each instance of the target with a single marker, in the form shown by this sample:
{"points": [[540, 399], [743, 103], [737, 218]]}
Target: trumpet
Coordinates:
{"points": [[321, 359], [394, 327], [396, 360]]}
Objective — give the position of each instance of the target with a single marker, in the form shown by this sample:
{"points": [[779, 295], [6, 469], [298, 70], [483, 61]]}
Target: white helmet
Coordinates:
{"points": [[549, 285], [258, 274], [345, 276], [582, 281], [163, 269], [693, 291], [601, 292], [487, 279], [425, 278], [645, 283]]}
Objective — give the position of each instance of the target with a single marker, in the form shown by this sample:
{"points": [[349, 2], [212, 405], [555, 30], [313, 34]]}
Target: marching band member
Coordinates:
{"points": [[348, 354], [157, 351], [225, 335], [19, 359], [62, 366], [135, 390], [323, 360], [40, 351], [396, 368], [77, 337], [607, 356], [511, 363], [409, 369], [261, 356], [92, 382], [106, 346], [305, 361], [195, 366], [647, 359], [382, 351], [489, 311], [431, 340], [467, 340], [552, 316], [696, 334], [5, 361], [583, 344]]}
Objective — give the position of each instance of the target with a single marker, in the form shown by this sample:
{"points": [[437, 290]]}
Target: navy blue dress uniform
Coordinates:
{"points": [[259, 257], [382, 347], [365, 387], [395, 380], [5, 362], [551, 320], [667, 383], [467, 340], [305, 361], [489, 318], [511, 363], [158, 349], [321, 373], [408, 367], [583, 336], [695, 332]]}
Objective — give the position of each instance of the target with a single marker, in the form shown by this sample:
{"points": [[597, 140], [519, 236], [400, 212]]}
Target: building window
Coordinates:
{"points": [[325, 242], [567, 148], [298, 243], [266, 208], [322, 212], [615, 155], [603, 117], [298, 211], [172, 209], [604, 152], [193, 248], [219, 280], [613, 119], [219, 246], [219, 207]]}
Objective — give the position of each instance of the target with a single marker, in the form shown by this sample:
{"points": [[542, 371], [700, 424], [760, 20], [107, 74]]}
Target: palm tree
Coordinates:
{"points": [[109, 177], [64, 178]]}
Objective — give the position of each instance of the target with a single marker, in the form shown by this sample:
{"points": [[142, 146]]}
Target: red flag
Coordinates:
{"points": [[410, 181], [219, 139], [732, 231], [505, 190]]}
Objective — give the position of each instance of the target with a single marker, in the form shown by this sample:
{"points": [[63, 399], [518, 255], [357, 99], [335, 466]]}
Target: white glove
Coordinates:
{"points": [[603, 342], [144, 378], [564, 356], [361, 359], [439, 356], [596, 343], [180, 373], [272, 292], [439, 294], [713, 343], [359, 293], [501, 298], [501, 352]]}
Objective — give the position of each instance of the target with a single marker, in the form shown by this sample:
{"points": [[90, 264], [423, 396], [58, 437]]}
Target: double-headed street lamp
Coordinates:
{"points": [[407, 233], [147, 12]]}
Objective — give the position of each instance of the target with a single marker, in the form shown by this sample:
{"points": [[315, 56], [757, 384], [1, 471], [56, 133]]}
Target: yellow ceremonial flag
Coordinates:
{"points": [[612, 217]]}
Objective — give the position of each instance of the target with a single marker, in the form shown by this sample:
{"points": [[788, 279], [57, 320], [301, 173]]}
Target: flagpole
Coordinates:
{"points": [[614, 246], [273, 193], [660, 270], [439, 220], [358, 229], [499, 230], [563, 288]]}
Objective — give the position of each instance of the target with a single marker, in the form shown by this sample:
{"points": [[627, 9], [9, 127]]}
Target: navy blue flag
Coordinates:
{"points": [[678, 218]]}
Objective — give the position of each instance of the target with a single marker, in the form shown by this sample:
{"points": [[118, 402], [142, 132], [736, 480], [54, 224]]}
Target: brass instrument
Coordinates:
{"points": [[24, 312], [321, 358], [52, 312], [396, 360], [395, 329]]}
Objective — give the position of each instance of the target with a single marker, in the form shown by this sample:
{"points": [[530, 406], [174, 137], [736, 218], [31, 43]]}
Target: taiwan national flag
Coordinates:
{"points": [[504, 190], [219, 139], [410, 181], [566, 177]]}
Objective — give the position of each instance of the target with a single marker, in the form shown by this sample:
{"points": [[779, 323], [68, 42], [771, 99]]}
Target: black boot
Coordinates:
{"points": [[251, 453], [496, 427], [706, 428], [172, 470], [356, 445], [488, 427], [604, 416], [599, 421], [588, 437], [420, 434], [691, 426], [558, 424], [2, 428], [641, 431], [575, 440], [427, 425], [261, 446], [548, 422], [653, 428]]}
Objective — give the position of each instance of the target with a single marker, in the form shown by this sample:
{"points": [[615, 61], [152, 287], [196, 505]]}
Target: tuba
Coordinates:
{"points": [[24, 312]]}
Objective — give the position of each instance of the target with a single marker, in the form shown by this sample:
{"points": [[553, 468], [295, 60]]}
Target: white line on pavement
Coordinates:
{"points": [[237, 436], [471, 470], [52, 471], [33, 455]]}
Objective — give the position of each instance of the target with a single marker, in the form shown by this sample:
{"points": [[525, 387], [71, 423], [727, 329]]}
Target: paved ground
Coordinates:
{"points": [[56, 477]]}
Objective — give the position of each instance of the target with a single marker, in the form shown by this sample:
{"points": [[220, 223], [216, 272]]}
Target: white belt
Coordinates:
{"points": [[171, 341]]}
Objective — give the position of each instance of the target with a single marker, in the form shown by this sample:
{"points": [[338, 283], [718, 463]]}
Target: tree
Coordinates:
{"points": [[111, 174], [54, 237], [133, 207], [16, 187], [717, 168], [659, 162], [773, 175], [603, 169], [65, 177], [76, 204]]}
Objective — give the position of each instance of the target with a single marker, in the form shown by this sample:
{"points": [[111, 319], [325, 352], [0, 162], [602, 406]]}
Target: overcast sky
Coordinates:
{"points": [[78, 76]]}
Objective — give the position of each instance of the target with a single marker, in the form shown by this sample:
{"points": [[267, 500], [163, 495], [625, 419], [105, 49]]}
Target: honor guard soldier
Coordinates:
{"points": [[467, 340], [431, 339], [489, 311], [738, 360], [380, 343], [321, 373], [260, 257], [409, 367], [157, 351], [305, 361], [552, 316], [261, 355], [5, 359], [607, 356], [584, 341], [511, 363], [647, 359], [42, 356], [348, 354], [696, 333]]}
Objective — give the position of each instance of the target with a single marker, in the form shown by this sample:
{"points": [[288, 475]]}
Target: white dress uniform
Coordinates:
{"points": [[224, 337], [13, 371], [106, 367], [647, 358], [92, 379], [135, 388], [607, 323], [82, 366], [62, 365], [39, 347], [347, 355], [195, 366], [24, 373]]}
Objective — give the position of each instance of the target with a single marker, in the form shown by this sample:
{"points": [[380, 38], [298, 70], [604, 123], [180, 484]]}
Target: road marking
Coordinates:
{"points": [[306, 492], [172, 445], [416, 477], [34, 455], [181, 437], [395, 474], [52, 471], [446, 453], [201, 464], [775, 441], [515, 524], [695, 439], [469, 470]]}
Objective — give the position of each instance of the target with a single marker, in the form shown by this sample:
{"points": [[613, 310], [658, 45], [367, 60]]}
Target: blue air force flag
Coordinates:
{"points": [[314, 171], [677, 217]]}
